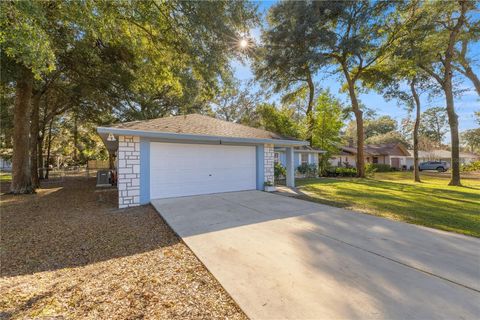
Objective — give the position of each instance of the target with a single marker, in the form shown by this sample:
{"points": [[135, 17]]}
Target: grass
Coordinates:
{"points": [[394, 195], [5, 176]]}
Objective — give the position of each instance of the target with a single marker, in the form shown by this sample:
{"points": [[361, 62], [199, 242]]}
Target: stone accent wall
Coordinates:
{"points": [[128, 171], [268, 163]]}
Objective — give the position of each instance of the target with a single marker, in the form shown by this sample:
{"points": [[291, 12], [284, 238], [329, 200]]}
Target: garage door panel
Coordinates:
{"points": [[190, 169]]}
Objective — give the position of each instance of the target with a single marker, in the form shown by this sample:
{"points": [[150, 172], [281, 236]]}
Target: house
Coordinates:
{"points": [[5, 159], [192, 155], [393, 154], [440, 155], [302, 155], [5, 164]]}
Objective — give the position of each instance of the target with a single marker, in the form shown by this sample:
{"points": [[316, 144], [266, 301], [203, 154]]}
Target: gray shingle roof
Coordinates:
{"points": [[200, 125]]}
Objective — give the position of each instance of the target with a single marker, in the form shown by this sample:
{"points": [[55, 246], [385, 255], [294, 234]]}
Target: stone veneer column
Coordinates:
{"points": [[128, 171], [268, 163]]}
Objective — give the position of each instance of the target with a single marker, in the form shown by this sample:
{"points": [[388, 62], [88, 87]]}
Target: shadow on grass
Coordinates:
{"points": [[72, 225], [450, 210]]}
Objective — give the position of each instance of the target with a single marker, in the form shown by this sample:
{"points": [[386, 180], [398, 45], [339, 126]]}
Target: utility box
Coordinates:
{"points": [[103, 178]]}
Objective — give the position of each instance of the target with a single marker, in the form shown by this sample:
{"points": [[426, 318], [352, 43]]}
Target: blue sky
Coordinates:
{"points": [[465, 105]]}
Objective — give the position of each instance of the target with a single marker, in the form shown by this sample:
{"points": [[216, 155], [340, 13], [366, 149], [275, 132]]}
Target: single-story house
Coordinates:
{"points": [[440, 155], [393, 154], [192, 155], [5, 159]]}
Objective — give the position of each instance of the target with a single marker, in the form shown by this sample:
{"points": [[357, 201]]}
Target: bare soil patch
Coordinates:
{"points": [[68, 253]]}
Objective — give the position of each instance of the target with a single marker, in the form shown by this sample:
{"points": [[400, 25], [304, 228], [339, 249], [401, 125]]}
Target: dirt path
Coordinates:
{"points": [[68, 252]]}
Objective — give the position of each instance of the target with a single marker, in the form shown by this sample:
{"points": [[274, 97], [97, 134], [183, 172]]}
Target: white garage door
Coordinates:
{"points": [[189, 169]]}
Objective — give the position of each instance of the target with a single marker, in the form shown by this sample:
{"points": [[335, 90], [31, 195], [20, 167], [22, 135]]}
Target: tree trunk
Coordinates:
{"points": [[21, 180], [455, 141], [309, 113], [416, 127], [359, 120], [34, 135], [447, 87], [40, 156], [75, 139], [111, 160], [49, 147], [465, 68], [468, 72]]}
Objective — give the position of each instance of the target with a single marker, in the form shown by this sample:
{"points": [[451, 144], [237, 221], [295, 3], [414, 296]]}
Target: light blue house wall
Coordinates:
{"points": [[260, 155], [144, 171], [282, 158]]}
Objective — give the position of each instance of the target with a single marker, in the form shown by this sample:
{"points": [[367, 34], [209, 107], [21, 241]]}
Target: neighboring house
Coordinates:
{"points": [[440, 155], [5, 159], [192, 155], [5, 165], [393, 154], [302, 155]]}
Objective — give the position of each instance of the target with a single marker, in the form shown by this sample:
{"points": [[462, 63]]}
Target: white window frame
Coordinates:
{"points": [[302, 161]]}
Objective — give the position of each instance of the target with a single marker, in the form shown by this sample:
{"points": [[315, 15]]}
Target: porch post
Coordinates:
{"points": [[290, 167]]}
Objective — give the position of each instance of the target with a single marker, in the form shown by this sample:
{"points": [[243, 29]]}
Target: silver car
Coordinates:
{"points": [[440, 166]]}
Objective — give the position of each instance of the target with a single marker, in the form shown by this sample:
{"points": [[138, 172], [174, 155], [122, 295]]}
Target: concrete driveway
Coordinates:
{"points": [[284, 258]]}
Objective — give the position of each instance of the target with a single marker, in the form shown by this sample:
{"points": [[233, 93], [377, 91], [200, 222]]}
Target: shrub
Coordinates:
{"points": [[471, 167], [370, 169], [380, 167], [346, 172], [279, 171], [310, 170]]}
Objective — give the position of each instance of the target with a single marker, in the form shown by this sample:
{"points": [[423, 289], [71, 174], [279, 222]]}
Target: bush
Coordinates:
{"points": [[279, 171], [471, 167], [309, 170], [370, 169], [380, 167], [346, 172]]}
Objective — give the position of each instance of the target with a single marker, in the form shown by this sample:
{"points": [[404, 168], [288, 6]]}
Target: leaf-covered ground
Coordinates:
{"points": [[67, 252], [394, 195]]}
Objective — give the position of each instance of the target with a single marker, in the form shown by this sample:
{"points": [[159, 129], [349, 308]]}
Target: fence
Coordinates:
{"points": [[56, 175], [98, 164]]}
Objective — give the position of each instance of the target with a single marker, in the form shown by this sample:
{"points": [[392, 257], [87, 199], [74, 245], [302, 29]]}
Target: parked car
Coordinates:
{"points": [[440, 166]]}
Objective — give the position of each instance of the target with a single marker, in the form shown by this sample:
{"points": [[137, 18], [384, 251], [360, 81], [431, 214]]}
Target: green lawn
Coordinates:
{"points": [[394, 195], [5, 176]]}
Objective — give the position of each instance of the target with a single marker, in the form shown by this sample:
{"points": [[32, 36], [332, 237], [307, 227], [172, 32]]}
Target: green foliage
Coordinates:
{"points": [[288, 56], [389, 137], [345, 172], [380, 167], [280, 121], [471, 167], [370, 169], [279, 171], [24, 36], [113, 61], [378, 130], [471, 139], [327, 126], [379, 126], [434, 124], [309, 170]]}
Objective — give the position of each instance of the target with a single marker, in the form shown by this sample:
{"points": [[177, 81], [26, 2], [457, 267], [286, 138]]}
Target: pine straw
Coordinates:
{"points": [[67, 252]]}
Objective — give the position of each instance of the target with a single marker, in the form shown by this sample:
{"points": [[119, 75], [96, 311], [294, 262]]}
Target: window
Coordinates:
{"points": [[304, 158], [276, 157], [375, 160]]}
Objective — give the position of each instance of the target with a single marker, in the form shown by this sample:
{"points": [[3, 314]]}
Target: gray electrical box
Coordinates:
{"points": [[103, 178]]}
